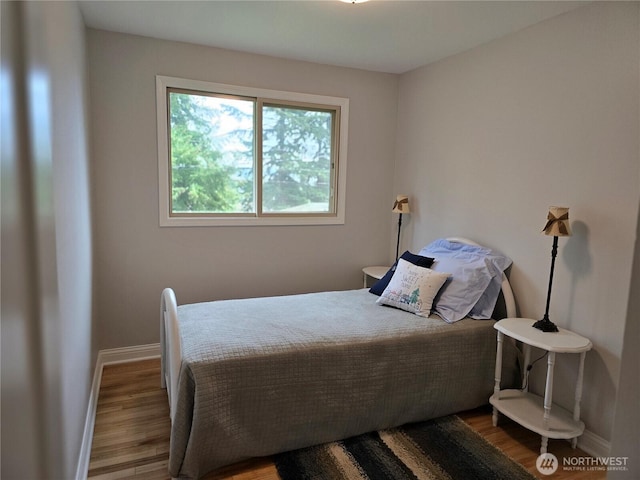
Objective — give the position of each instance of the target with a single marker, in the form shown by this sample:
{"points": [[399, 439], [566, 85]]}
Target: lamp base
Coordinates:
{"points": [[545, 325]]}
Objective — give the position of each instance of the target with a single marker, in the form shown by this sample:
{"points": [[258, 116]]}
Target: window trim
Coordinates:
{"points": [[198, 220]]}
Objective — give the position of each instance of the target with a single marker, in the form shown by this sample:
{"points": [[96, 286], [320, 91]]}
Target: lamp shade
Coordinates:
{"points": [[401, 205], [557, 222]]}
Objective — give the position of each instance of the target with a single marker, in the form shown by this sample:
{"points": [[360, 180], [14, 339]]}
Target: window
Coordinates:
{"points": [[244, 156]]}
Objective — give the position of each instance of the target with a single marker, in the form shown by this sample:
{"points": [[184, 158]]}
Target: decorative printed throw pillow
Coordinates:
{"points": [[413, 288], [418, 260]]}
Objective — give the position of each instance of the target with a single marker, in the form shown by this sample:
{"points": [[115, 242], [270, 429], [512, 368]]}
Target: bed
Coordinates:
{"points": [[254, 377]]}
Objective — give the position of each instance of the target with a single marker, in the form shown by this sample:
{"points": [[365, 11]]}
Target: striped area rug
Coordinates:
{"points": [[444, 448]]}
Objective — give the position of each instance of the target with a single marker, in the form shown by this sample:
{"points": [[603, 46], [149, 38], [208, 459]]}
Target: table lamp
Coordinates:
{"points": [[401, 205], [557, 226]]}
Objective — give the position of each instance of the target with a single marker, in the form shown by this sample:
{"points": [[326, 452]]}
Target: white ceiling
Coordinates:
{"points": [[385, 36]]}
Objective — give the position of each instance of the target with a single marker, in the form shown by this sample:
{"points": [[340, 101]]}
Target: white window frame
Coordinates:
{"points": [[164, 162]]}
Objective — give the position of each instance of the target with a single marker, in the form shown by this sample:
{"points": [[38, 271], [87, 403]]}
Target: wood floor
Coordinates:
{"points": [[131, 435]]}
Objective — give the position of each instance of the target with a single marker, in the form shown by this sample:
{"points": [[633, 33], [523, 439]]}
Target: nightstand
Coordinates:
{"points": [[376, 273], [532, 411]]}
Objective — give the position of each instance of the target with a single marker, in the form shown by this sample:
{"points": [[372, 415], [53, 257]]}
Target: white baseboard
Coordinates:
{"points": [[107, 357], [87, 436], [128, 354], [594, 445]]}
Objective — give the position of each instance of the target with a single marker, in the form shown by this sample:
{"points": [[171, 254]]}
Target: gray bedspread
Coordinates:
{"points": [[266, 375]]}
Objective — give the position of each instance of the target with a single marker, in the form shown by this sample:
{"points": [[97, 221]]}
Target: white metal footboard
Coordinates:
{"points": [[171, 358]]}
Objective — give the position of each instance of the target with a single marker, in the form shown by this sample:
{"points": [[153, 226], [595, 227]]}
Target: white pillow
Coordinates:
{"points": [[412, 288]]}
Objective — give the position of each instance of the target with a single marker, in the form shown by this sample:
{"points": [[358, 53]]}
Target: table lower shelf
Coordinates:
{"points": [[528, 410]]}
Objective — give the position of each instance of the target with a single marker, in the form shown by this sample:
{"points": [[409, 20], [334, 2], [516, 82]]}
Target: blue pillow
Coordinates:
{"points": [[472, 270], [418, 260], [485, 306]]}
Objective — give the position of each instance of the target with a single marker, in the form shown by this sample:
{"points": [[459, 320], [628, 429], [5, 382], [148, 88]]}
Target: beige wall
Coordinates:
{"points": [[490, 138], [484, 142], [626, 426], [47, 351], [136, 259]]}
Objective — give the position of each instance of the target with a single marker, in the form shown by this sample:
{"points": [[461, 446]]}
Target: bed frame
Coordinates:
{"points": [[170, 346], [171, 353]]}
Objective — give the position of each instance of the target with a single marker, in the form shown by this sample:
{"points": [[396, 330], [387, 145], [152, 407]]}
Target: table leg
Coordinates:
{"points": [[578, 396], [543, 444], [548, 391], [497, 376]]}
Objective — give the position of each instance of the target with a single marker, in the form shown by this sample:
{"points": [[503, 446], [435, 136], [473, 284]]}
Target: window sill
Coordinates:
{"points": [[250, 221]]}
